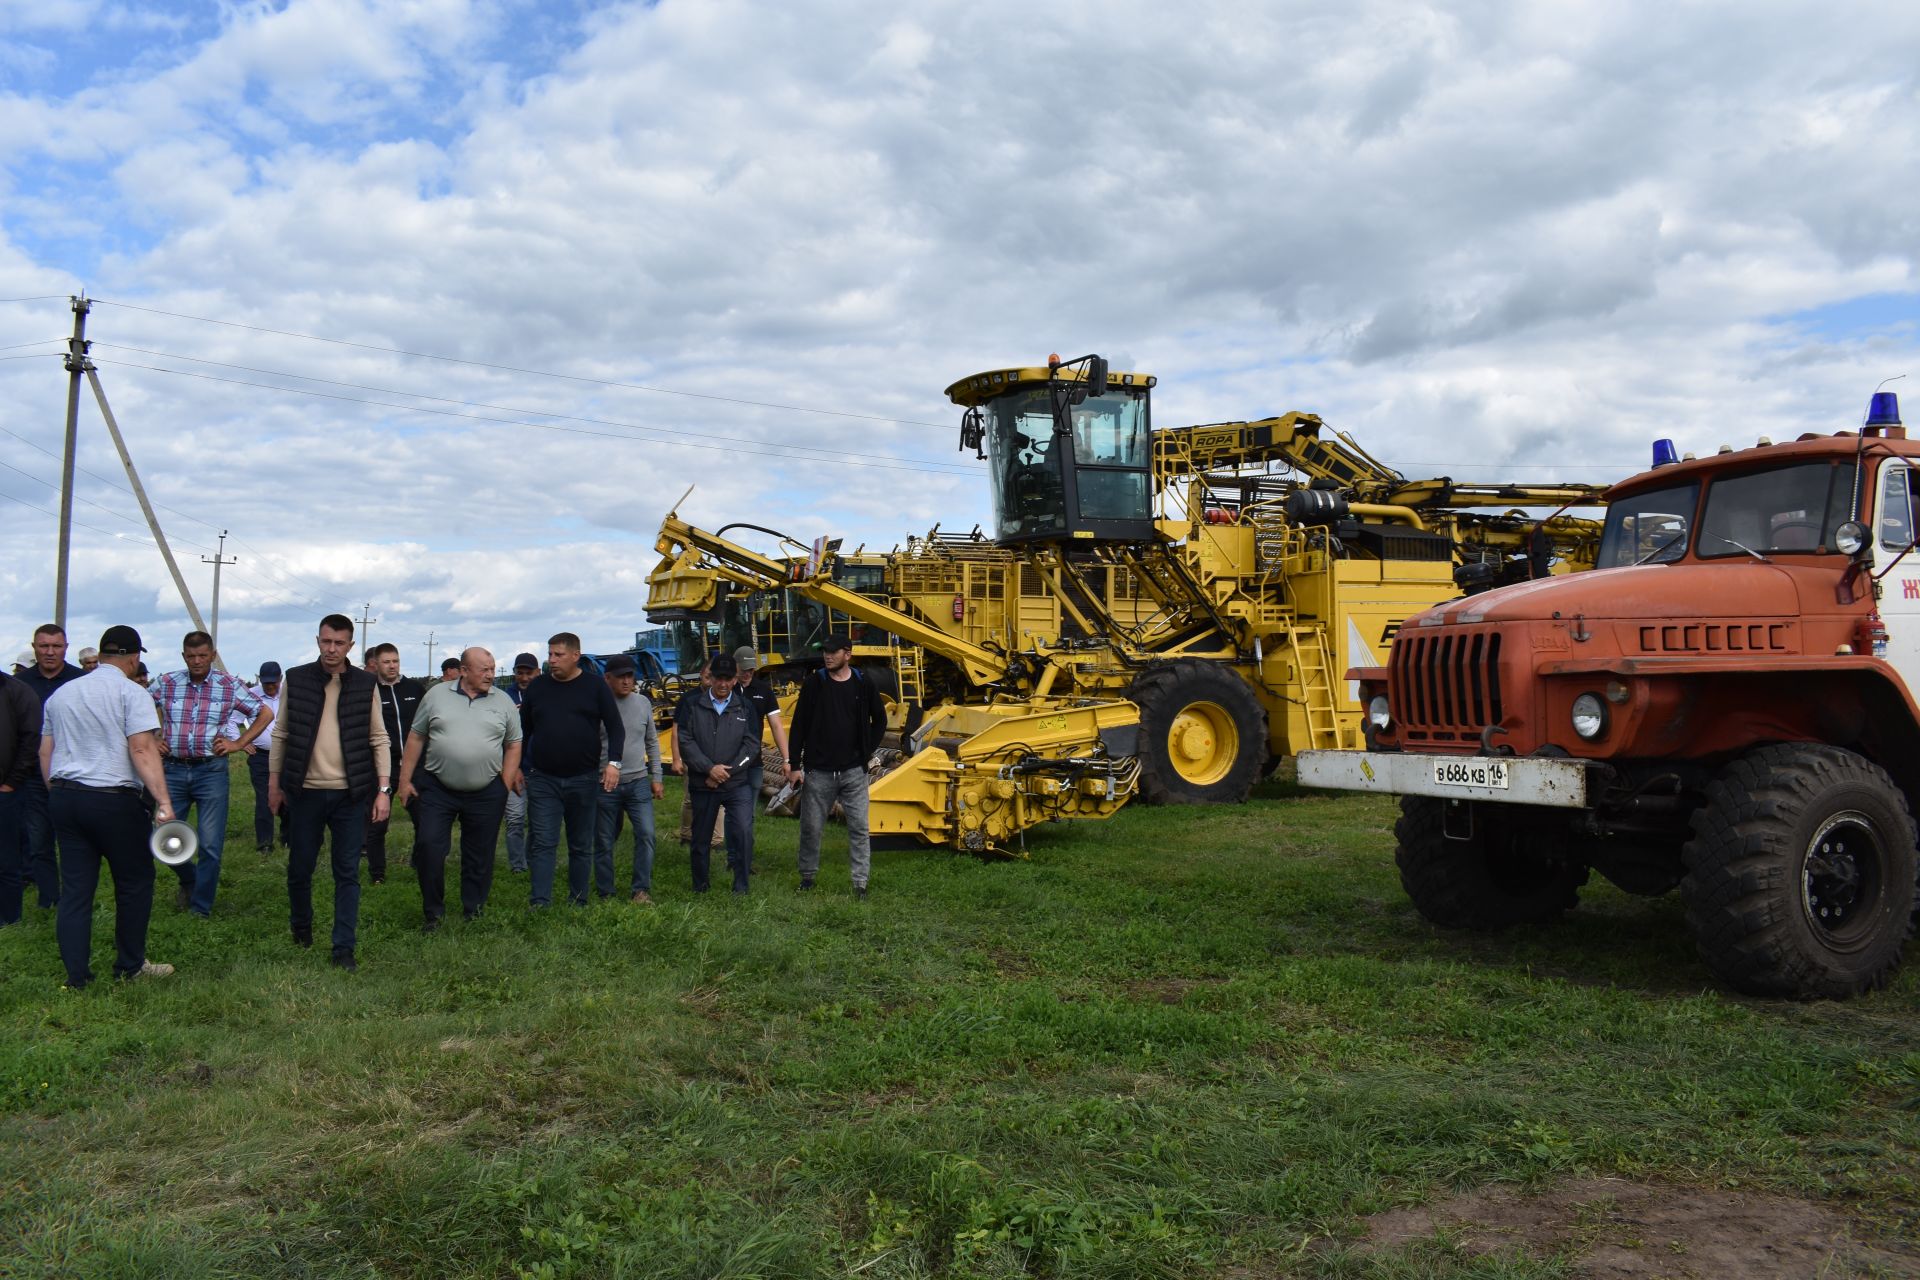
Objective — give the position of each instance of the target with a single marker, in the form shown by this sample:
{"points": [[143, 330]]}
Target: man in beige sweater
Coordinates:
{"points": [[330, 757]]}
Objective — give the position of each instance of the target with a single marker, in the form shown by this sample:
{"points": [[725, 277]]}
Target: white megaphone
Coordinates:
{"points": [[174, 842]]}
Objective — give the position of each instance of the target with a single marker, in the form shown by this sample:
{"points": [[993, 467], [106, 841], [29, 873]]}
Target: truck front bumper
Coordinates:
{"points": [[1554, 783]]}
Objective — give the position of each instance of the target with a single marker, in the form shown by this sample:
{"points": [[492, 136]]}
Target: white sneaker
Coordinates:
{"points": [[152, 970]]}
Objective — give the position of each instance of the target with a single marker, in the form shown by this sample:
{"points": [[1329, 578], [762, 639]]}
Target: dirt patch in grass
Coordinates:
{"points": [[1615, 1230], [1168, 990]]}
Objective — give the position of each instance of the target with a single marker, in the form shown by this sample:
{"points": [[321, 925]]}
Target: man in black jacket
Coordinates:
{"points": [[837, 724], [19, 762], [717, 740], [563, 716], [330, 765], [49, 670], [399, 699]]}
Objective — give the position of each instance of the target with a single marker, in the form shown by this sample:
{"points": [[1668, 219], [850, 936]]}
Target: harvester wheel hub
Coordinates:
{"points": [[1203, 742]]}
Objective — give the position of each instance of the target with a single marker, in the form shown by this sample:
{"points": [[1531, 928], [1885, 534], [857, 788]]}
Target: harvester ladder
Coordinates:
{"points": [[912, 676], [1315, 663]]}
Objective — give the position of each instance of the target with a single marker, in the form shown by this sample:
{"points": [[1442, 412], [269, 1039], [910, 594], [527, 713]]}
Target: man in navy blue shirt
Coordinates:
{"points": [[49, 671], [562, 717]]}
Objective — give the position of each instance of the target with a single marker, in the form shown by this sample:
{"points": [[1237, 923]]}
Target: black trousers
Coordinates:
{"points": [[95, 827], [314, 814], [735, 805], [479, 812]]}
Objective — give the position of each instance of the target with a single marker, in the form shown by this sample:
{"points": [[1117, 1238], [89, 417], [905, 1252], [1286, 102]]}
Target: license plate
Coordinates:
{"points": [[1470, 773]]}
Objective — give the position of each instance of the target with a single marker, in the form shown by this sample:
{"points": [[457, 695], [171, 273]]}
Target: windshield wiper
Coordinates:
{"points": [[1744, 547], [1662, 547]]}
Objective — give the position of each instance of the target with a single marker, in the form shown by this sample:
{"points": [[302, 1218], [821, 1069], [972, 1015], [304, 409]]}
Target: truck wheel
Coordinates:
{"points": [[1503, 875], [1203, 734], [1800, 874]]}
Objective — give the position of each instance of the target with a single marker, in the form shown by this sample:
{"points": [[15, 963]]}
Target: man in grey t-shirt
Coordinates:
{"points": [[640, 784], [101, 759], [462, 761]]}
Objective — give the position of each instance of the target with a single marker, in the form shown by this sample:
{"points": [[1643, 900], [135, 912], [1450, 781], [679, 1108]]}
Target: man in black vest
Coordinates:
{"points": [[330, 757]]}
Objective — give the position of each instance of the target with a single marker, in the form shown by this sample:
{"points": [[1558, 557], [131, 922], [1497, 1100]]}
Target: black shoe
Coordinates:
{"points": [[376, 879], [469, 916], [302, 937], [806, 883], [345, 960], [432, 925], [860, 892]]}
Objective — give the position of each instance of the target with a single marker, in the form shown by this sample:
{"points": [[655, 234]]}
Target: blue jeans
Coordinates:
{"points": [[635, 799], [13, 855], [42, 853], [206, 787], [311, 815], [110, 827], [517, 830], [737, 805], [550, 801]]}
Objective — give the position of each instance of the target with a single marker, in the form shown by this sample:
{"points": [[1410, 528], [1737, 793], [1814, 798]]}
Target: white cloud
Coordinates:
{"points": [[1477, 235]]}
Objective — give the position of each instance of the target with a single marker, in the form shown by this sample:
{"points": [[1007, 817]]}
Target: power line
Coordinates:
{"points": [[829, 455], [42, 297], [508, 368], [513, 422], [34, 506]]}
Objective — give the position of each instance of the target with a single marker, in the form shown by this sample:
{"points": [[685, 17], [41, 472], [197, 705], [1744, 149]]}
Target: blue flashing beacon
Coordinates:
{"points": [[1883, 410], [1664, 454]]}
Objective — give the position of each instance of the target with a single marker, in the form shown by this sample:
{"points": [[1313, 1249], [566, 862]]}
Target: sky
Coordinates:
{"points": [[436, 307]]}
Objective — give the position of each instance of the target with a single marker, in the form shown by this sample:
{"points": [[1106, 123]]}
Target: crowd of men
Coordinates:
{"points": [[94, 756]]}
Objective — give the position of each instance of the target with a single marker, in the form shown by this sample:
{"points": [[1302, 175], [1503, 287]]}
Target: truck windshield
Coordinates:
{"points": [[1648, 528], [1786, 509]]}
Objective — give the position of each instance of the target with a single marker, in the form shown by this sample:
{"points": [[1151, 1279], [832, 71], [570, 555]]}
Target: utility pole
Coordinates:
{"points": [[219, 558], [430, 647], [366, 627], [76, 365]]}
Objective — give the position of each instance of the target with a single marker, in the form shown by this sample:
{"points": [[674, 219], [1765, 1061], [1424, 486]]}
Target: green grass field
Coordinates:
{"points": [[1183, 1043]]}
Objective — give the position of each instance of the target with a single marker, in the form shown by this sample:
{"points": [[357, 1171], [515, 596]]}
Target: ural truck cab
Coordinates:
{"points": [[1725, 704]]}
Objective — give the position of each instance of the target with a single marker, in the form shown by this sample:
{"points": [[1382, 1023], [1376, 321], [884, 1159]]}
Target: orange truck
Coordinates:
{"points": [[1725, 704]]}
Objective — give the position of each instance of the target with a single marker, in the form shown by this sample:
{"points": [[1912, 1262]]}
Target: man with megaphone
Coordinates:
{"points": [[101, 759]]}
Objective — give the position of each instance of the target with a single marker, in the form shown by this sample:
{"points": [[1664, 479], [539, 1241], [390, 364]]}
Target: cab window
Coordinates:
{"points": [[1896, 507]]}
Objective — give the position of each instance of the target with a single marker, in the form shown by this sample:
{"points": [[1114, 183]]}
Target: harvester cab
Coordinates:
{"points": [[1068, 448]]}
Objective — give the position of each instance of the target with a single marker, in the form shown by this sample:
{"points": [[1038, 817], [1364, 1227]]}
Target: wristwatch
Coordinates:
{"points": [[386, 789]]}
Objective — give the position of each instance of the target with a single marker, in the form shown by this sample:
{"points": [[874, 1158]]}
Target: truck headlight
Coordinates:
{"points": [[1377, 713], [1589, 716]]}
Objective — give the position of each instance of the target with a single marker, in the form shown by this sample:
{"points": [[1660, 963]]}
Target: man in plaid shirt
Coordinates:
{"points": [[195, 706]]}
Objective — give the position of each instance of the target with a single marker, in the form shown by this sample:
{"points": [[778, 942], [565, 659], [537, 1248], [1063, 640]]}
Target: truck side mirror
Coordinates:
{"points": [[1096, 376]]}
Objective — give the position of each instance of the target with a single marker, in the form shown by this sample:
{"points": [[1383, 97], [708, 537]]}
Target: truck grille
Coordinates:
{"points": [[1445, 687]]}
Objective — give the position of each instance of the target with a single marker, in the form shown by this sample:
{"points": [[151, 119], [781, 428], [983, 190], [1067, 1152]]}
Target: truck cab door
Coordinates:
{"points": [[1893, 535]]}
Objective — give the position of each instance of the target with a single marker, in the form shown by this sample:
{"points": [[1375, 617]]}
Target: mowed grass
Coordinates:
{"points": [[1183, 1042]]}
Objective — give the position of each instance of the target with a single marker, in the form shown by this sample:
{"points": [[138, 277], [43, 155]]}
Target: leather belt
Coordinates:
{"points": [[68, 784], [191, 759]]}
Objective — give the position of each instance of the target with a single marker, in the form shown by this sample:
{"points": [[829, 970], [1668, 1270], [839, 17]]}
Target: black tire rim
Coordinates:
{"points": [[1840, 883]]}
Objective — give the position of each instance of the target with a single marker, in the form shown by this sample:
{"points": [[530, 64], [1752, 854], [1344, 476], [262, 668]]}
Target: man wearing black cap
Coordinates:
{"points": [[525, 668], [641, 774], [101, 757], [716, 736], [259, 756], [837, 724]]}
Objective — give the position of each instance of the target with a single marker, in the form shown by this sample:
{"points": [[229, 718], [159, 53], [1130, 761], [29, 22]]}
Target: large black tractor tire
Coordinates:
{"points": [[1203, 734], [1507, 872], [1800, 874]]}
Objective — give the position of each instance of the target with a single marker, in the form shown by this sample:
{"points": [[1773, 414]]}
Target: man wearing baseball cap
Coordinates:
{"points": [[525, 668], [101, 758], [260, 756]]}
